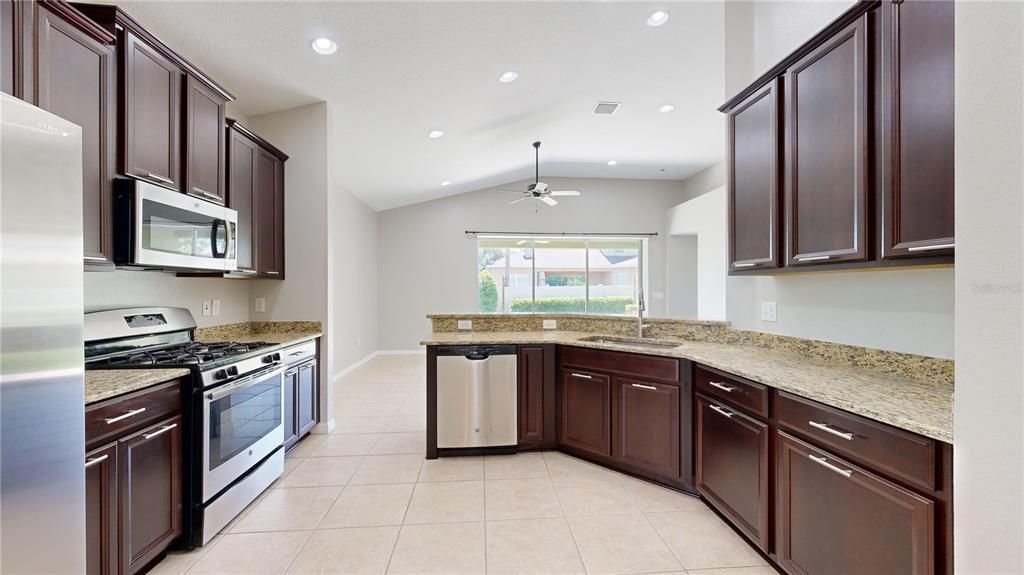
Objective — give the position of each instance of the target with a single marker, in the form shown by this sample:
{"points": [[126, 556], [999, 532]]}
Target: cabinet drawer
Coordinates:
{"points": [[122, 414], [641, 366], [894, 451], [733, 391]]}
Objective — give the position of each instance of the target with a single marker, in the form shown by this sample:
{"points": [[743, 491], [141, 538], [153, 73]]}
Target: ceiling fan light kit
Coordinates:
{"points": [[539, 190]]}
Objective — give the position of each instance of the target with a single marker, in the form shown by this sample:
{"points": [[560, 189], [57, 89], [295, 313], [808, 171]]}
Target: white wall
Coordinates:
{"points": [[354, 278], [428, 265], [705, 218], [988, 471]]}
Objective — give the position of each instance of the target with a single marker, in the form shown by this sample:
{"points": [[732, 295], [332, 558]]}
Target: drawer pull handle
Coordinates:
{"points": [[160, 431], [642, 386], [722, 386], [930, 248], [582, 375], [90, 462], [744, 265], [160, 178], [812, 258], [824, 463], [828, 428], [723, 411], [131, 413]]}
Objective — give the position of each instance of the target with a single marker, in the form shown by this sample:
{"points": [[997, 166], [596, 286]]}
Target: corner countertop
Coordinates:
{"points": [[101, 384], [916, 405]]}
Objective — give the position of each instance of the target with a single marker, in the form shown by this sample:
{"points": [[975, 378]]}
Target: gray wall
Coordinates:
{"points": [[123, 288], [353, 278]]}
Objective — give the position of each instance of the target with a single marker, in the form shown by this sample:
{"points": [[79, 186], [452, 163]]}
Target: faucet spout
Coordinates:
{"points": [[640, 308]]}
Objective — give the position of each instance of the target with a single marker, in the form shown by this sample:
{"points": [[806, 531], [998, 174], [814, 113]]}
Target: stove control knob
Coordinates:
{"points": [[268, 359], [277, 357], [220, 374], [233, 371]]}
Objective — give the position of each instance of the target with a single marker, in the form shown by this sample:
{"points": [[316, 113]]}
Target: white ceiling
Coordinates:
{"points": [[405, 68]]}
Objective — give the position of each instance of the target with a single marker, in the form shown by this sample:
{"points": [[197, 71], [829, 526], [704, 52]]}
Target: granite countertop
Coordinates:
{"points": [[103, 384], [917, 405], [280, 332]]}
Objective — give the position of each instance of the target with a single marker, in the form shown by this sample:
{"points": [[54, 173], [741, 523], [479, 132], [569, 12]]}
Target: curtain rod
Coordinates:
{"points": [[564, 234]]}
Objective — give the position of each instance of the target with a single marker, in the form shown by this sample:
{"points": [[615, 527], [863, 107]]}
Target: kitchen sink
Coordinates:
{"points": [[632, 342]]}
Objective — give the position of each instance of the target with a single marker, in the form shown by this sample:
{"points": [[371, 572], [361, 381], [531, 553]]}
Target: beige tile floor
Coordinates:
{"points": [[363, 500]]}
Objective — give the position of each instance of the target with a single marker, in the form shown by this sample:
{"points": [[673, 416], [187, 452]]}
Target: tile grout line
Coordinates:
{"points": [[565, 516]]}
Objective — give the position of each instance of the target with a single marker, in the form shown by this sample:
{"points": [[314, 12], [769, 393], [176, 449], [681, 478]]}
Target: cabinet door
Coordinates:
{"points": [[645, 426], [754, 180], [101, 520], [269, 197], [836, 518], [536, 396], [8, 33], [150, 478], [826, 151], [732, 466], [306, 400], [74, 77], [152, 138], [586, 413], [917, 128], [241, 196], [291, 394], [204, 142]]}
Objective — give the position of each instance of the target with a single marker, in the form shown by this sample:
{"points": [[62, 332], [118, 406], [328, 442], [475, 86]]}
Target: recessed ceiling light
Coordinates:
{"points": [[445, 183], [666, 108], [657, 18], [612, 163], [435, 134], [508, 77], [324, 46]]}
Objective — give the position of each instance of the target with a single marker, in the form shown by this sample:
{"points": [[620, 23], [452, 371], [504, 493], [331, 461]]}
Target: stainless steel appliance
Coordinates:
{"points": [[165, 229], [476, 396], [42, 419], [234, 415]]}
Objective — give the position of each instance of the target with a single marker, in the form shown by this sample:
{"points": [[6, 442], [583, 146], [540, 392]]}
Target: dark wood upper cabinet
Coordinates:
{"points": [[101, 504], [151, 136], [269, 201], [73, 76], [826, 151], [917, 113], [835, 517], [256, 191], [645, 426], [241, 195], [586, 411], [536, 396], [732, 466], [204, 143], [754, 180]]}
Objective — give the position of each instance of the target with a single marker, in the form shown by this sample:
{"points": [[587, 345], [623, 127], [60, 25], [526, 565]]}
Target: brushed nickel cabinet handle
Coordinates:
{"points": [[131, 413], [723, 411], [161, 178], [582, 375], [812, 258], [930, 248], [642, 386], [160, 431], [743, 265], [90, 462], [829, 429], [722, 386], [823, 461]]}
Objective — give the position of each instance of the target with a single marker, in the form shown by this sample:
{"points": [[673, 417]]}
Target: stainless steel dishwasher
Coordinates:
{"points": [[476, 396]]}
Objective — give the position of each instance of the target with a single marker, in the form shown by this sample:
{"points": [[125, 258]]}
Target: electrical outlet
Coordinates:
{"points": [[768, 312], [216, 307], [206, 307], [465, 324], [550, 324], [261, 304]]}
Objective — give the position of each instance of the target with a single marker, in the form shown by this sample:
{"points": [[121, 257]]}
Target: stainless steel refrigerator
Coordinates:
{"points": [[42, 409]]}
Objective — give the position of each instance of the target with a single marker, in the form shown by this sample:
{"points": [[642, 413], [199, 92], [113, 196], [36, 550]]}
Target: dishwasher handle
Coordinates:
{"points": [[477, 356]]}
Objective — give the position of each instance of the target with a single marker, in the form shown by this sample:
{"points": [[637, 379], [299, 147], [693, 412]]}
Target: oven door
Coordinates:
{"points": [[242, 424], [174, 230]]}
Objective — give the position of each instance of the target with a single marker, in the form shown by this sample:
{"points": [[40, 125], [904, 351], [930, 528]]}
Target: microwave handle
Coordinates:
{"points": [[230, 232], [213, 240]]}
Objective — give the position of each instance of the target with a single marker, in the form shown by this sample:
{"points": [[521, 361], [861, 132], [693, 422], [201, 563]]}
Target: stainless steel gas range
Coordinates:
{"points": [[234, 406]]}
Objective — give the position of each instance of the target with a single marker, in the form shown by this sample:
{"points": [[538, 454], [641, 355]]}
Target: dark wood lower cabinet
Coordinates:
{"points": [[150, 470], [836, 518], [536, 422], [733, 466], [101, 504], [645, 426], [586, 413], [291, 393], [305, 412]]}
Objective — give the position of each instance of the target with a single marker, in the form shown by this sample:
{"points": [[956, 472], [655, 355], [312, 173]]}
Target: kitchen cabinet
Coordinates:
{"points": [[836, 517], [269, 199], [151, 134], [204, 144], [300, 401], [917, 113], [826, 151], [101, 501], [536, 421], [586, 411], [241, 163], [754, 182], [645, 426], [291, 394], [733, 466]]}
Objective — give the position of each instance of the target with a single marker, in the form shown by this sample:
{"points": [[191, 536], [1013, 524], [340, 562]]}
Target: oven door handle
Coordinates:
{"points": [[246, 381]]}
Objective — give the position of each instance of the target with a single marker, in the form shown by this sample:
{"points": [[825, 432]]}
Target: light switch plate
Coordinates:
{"points": [[206, 307], [261, 304], [768, 311], [550, 324], [216, 307], [465, 324]]}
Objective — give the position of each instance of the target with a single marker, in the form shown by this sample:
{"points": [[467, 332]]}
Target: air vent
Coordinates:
{"points": [[606, 107]]}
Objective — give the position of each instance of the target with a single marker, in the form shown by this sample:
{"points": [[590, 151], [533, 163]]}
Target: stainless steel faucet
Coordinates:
{"points": [[640, 308]]}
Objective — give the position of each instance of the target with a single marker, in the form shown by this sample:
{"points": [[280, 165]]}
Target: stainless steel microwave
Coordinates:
{"points": [[155, 227]]}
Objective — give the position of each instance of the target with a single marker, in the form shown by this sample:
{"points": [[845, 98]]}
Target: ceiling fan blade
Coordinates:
{"points": [[549, 200], [517, 200], [512, 191], [565, 193]]}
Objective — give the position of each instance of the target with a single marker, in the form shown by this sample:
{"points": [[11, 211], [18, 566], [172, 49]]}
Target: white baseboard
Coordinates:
{"points": [[322, 428], [380, 352]]}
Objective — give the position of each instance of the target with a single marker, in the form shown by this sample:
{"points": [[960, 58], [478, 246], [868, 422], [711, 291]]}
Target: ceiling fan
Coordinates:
{"points": [[538, 189]]}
